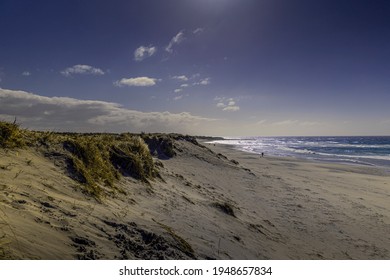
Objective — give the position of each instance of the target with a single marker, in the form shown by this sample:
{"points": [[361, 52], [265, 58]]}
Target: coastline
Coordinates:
{"points": [[376, 169], [355, 150], [211, 202]]}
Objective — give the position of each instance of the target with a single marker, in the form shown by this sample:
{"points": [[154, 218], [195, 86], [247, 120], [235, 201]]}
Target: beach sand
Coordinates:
{"points": [[212, 202]]}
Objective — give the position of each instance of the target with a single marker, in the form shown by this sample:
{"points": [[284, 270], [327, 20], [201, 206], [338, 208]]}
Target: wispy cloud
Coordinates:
{"points": [[178, 97], [178, 90], [226, 104], [136, 82], [231, 108], [181, 78], [286, 122], [82, 69], [198, 30], [298, 123], [176, 40], [184, 85], [144, 52], [310, 123], [69, 114], [203, 82], [261, 122], [26, 73]]}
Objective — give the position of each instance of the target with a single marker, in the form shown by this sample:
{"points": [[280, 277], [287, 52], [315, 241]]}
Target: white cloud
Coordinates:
{"points": [[231, 108], [177, 39], [144, 52], [178, 90], [136, 82], [184, 85], [203, 82], [178, 97], [82, 69], [26, 73], [226, 104], [69, 114], [198, 31], [180, 78]]}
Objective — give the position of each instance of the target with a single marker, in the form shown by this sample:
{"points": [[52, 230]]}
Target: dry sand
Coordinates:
{"points": [[206, 206]]}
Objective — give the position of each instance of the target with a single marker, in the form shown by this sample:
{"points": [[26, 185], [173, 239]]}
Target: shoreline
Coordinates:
{"points": [[372, 151], [345, 166], [385, 168]]}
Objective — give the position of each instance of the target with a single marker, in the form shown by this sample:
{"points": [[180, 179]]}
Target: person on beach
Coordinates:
{"points": [[262, 154]]}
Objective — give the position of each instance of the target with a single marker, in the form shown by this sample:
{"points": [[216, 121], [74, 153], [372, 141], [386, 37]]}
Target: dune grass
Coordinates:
{"points": [[94, 160], [11, 136], [183, 245]]}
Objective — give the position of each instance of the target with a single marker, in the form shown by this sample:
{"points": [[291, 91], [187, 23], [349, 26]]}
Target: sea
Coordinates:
{"points": [[367, 150]]}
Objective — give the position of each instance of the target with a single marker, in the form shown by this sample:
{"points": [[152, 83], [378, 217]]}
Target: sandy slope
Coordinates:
{"points": [[206, 206]]}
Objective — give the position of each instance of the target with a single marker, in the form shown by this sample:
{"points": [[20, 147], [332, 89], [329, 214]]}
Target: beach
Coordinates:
{"points": [[209, 202]]}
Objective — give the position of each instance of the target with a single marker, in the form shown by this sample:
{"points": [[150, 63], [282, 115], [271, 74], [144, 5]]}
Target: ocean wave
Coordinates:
{"points": [[346, 149]]}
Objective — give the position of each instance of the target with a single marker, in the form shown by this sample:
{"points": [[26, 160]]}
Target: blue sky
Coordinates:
{"points": [[222, 67]]}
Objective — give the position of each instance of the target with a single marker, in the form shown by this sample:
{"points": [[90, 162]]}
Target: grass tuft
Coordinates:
{"points": [[132, 157], [11, 136], [183, 245]]}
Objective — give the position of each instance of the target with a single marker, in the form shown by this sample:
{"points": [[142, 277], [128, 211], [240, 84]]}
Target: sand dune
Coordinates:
{"points": [[211, 202]]}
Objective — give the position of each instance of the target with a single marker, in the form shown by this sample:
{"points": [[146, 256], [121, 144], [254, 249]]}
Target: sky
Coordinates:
{"points": [[200, 67]]}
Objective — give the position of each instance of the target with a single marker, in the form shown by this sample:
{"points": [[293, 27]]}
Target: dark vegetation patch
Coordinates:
{"points": [[135, 242], [160, 145], [86, 249], [225, 208]]}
